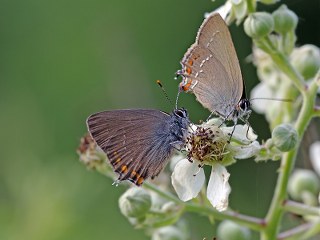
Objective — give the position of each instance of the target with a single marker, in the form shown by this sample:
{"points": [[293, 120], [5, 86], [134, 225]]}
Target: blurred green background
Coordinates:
{"points": [[63, 60]]}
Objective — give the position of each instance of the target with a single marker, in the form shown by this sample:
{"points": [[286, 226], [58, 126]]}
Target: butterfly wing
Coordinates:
{"points": [[137, 142], [210, 68]]}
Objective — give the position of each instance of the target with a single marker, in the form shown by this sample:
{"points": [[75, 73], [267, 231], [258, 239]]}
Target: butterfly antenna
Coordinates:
{"points": [[273, 99], [164, 91], [177, 99]]}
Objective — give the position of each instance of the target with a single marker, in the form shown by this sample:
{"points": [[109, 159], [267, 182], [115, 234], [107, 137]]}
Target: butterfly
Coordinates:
{"points": [[139, 142], [211, 71]]}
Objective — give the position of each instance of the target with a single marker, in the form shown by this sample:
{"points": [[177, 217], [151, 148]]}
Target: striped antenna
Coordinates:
{"points": [[164, 91]]}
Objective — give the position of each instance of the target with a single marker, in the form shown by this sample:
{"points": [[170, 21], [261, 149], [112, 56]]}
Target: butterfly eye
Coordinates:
{"points": [[180, 113], [244, 104]]}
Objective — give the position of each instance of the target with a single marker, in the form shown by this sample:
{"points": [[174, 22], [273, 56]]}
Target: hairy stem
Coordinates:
{"points": [[251, 222], [296, 232], [275, 212], [300, 208], [282, 62], [248, 221]]}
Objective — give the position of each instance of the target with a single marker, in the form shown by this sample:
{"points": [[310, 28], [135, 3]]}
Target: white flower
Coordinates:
{"points": [[259, 90], [218, 189], [247, 151], [188, 179], [208, 145], [242, 133], [224, 10]]}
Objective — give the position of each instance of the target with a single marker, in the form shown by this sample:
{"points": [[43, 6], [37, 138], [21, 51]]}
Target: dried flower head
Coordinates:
{"points": [[90, 154]]}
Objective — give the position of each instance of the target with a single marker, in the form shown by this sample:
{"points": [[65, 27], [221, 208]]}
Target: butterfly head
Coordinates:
{"points": [[244, 105], [180, 113]]}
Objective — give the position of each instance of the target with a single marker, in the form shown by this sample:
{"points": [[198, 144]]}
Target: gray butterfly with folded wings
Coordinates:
{"points": [[211, 70]]}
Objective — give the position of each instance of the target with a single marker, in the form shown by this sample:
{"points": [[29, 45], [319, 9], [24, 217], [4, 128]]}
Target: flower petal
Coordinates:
{"points": [[315, 156], [241, 133], [175, 159], [187, 179], [246, 151], [218, 187], [224, 10], [262, 89]]}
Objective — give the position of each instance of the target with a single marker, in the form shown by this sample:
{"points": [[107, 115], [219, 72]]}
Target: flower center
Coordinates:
{"points": [[207, 144]]}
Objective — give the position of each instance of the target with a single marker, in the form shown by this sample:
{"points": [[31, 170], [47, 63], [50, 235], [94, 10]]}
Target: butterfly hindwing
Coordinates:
{"points": [[211, 67]]}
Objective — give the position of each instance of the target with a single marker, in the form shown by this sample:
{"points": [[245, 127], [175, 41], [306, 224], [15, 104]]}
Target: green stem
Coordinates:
{"points": [[248, 221], [165, 194], [275, 212], [251, 5], [312, 231], [282, 63], [300, 208], [251, 222], [295, 233]]}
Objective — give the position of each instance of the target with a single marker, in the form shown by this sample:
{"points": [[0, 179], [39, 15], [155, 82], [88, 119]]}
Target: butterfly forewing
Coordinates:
{"points": [[212, 67], [137, 142]]}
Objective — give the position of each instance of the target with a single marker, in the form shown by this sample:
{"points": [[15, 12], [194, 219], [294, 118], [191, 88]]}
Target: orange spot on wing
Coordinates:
{"points": [[190, 62], [188, 70], [133, 174], [124, 169], [117, 161], [185, 86], [140, 180]]}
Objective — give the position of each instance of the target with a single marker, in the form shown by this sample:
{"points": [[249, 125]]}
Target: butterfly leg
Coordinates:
{"points": [[245, 119], [116, 182], [209, 116], [230, 134], [235, 121], [196, 173], [225, 118]]}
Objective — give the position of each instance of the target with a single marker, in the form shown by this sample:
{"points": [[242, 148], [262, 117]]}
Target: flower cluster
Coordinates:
{"points": [[209, 145]]}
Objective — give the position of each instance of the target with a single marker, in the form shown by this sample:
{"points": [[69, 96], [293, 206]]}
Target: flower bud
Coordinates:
{"points": [[285, 20], [304, 185], [258, 24], [168, 233], [228, 230], [135, 202], [306, 60], [284, 137]]}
